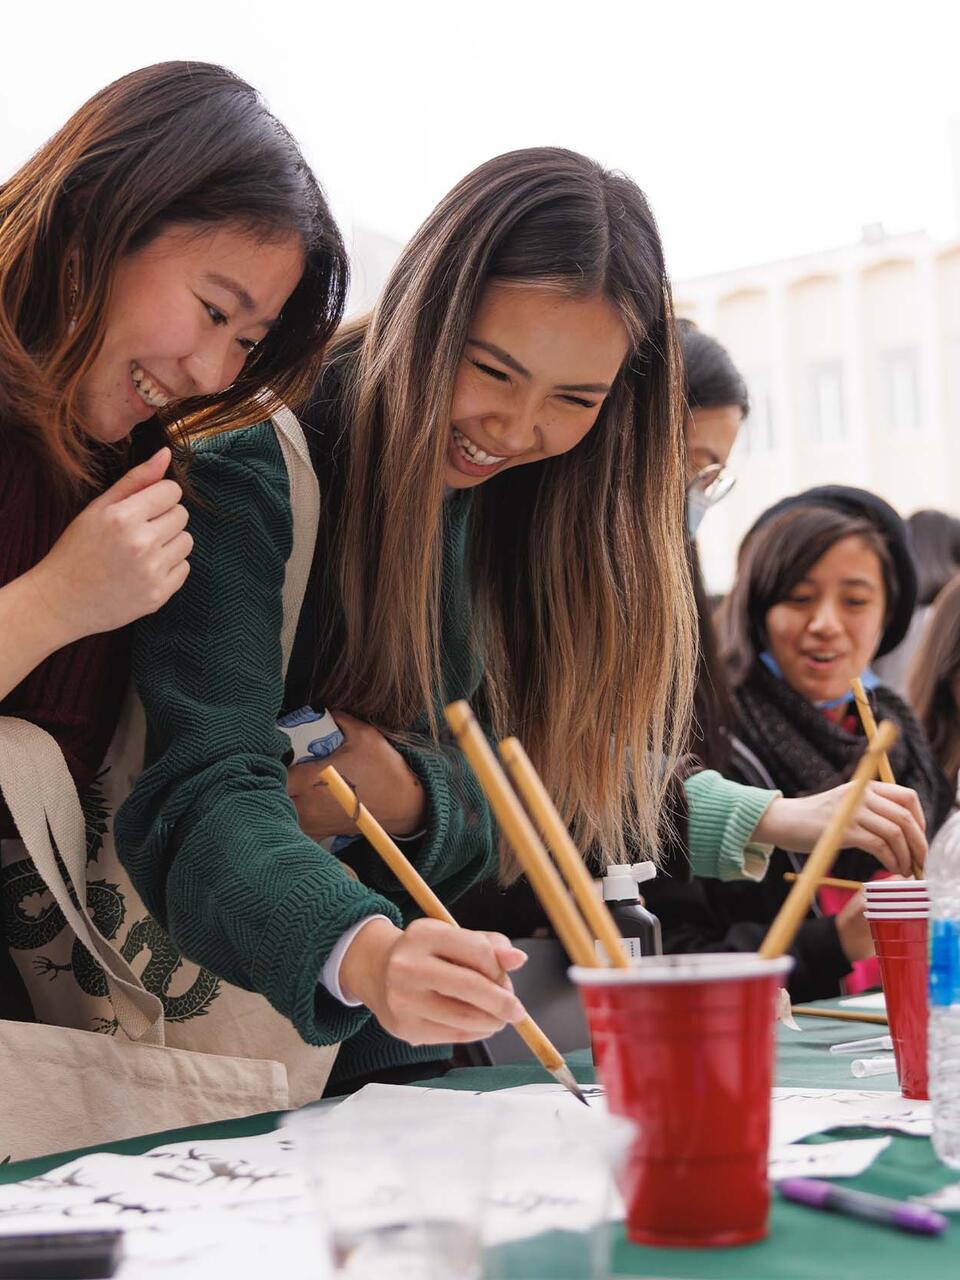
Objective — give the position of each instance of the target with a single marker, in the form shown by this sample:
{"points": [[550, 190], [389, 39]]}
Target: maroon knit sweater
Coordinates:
{"points": [[76, 693]]}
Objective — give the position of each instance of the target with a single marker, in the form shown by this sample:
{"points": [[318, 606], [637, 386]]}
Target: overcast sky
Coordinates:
{"points": [[758, 130]]}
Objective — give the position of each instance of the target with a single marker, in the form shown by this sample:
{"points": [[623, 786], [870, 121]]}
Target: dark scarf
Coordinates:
{"points": [[805, 752]]}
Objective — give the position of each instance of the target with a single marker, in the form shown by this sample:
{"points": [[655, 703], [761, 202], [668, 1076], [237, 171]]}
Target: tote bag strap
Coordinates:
{"points": [[43, 802], [42, 798], [305, 509]]}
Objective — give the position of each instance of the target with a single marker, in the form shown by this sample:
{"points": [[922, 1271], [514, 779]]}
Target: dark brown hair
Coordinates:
{"points": [[934, 539], [935, 666], [176, 143], [582, 601], [711, 379], [771, 561]]}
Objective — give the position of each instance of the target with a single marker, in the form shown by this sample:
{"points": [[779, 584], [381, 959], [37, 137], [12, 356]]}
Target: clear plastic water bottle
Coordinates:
{"points": [[943, 879]]}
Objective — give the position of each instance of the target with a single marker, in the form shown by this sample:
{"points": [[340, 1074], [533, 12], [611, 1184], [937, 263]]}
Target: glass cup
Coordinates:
{"points": [[553, 1168], [397, 1188]]}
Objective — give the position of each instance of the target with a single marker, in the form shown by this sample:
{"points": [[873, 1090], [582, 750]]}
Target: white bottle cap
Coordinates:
{"points": [[621, 881]]}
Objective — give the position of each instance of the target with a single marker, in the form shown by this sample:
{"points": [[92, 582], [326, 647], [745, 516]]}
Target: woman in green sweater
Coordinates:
{"points": [[500, 456]]}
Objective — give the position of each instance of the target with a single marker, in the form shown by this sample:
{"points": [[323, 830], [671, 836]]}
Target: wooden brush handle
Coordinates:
{"points": [[554, 830], [793, 912], [518, 829]]}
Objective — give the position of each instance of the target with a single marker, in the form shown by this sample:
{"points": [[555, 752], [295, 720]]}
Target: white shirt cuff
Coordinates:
{"points": [[330, 974]]}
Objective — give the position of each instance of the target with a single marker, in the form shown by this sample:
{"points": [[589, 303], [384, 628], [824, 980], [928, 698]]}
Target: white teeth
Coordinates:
{"points": [[473, 452], [147, 389]]}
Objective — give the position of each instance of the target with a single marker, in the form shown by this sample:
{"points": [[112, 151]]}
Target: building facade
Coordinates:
{"points": [[852, 358]]}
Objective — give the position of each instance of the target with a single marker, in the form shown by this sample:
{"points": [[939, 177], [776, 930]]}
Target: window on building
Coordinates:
{"points": [[823, 409], [899, 385], [757, 434]]}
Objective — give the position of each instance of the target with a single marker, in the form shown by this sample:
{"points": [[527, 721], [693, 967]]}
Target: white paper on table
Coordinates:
{"points": [[212, 1208], [798, 1113], [946, 1200], [207, 1209], [826, 1159], [527, 1198], [876, 1001]]}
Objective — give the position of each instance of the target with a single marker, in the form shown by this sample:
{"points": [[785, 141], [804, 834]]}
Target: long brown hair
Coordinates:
{"points": [[772, 560], [933, 673], [180, 142], [583, 613]]}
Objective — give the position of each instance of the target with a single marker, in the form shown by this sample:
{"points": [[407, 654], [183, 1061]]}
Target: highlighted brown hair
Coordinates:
{"points": [[583, 611], [176, 143]]}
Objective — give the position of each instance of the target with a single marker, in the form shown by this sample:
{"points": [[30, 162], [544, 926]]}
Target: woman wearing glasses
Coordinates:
{"points": [[717, 403]]}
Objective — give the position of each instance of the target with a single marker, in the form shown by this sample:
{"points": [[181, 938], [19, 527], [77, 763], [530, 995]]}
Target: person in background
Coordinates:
{"points": [[824, 583], [717, 403], [934, 680], [126, 243], [934, 539]]}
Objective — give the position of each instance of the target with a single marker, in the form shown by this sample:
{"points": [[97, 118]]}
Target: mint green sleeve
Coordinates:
{"points": [[722, 816]]}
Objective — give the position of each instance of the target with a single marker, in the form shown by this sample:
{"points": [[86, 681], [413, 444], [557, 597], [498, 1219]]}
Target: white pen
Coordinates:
{"points": [[861, 1067], [863, 1046]]}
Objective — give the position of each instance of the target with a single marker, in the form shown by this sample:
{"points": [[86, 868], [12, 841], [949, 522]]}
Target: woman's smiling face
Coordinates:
{"points": [[826, 631], [184, 313], [534, 375]]}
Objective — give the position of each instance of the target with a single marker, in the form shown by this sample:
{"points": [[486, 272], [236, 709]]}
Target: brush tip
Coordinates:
{"points": [[566, 1077]]}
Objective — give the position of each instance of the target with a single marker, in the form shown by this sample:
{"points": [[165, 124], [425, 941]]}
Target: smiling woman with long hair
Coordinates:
{"points": [[167, 253], [501, 460]]}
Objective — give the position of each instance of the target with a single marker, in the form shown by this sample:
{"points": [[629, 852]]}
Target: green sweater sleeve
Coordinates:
{"points": [[459, 845], [209, 835], [722, 816]]}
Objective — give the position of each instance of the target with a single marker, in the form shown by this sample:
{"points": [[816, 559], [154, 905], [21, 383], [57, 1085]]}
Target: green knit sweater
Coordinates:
{"points": [[209, 835]]}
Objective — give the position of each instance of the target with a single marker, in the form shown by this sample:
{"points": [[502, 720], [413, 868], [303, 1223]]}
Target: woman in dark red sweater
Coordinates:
{"points": [[164, 256]]}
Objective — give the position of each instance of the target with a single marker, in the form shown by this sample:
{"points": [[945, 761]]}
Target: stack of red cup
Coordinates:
{"points": [[898, 912]]}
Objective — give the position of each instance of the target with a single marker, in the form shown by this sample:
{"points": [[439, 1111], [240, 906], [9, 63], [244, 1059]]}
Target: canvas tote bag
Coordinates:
{"points": [[134, 1038]]}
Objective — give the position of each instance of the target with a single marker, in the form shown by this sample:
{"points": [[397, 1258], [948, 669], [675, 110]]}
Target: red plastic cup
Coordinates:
{"points": [[684, 1048], [901, 946]]}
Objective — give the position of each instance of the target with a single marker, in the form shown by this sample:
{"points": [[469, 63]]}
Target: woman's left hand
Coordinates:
{"points": [[383, 780], [889, 824]]}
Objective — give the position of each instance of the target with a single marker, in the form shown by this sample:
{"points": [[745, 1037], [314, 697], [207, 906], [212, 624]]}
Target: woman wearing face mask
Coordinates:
{"points": [[166, 253], [888, 824], [501, 466], [824, 583], [717, 404]]}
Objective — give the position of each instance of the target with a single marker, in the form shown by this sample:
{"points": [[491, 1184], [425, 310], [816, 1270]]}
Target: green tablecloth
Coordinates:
{"points": [[803, 1244]]}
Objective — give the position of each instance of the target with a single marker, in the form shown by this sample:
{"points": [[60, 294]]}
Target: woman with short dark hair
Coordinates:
{"points": [[824, 583]]}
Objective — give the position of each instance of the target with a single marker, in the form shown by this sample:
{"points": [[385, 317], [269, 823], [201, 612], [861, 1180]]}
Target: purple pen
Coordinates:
{"points": [[860, 1204]]}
